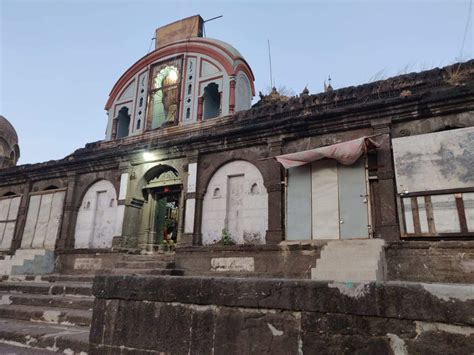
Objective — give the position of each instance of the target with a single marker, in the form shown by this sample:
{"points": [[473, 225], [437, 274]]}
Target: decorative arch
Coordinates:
{"points": [[268, 169], [95, 224], [214, 49], [236, 209], [272, 174]]}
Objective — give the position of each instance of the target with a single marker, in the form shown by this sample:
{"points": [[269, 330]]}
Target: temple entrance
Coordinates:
{"points": [[163, 195], [166, 213]]}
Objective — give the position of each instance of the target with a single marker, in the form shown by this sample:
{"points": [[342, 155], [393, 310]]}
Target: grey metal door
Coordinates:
{"points": [[353, 201]]}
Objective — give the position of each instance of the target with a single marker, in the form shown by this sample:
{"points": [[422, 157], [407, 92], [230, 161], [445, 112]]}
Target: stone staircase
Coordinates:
{"points": [[27, 261], [351, 260], [158, 264], [54, 311]]}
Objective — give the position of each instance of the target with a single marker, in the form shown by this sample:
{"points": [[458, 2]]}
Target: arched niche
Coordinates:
{"points": [[95, 225], [236, 201]]}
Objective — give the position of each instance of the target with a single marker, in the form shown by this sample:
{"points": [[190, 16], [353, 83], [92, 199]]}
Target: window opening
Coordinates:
{"points": [[211, 101], [123, 122]]}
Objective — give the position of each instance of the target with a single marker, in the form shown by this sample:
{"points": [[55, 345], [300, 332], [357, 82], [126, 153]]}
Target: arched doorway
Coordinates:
{"points": [[163, 196], [235, 204], [95, 226]]}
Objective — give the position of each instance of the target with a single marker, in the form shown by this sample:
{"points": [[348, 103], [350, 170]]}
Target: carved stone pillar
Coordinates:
{"points": [[21, 218], [190, 201], [232, 96], [199, 111], [385, 218], [197, 235], [114, 128], [275, 190], [120, 238], [66, 234]]}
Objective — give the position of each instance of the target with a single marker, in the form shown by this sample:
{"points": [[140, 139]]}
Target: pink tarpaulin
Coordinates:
{"points": [[345, 153]]}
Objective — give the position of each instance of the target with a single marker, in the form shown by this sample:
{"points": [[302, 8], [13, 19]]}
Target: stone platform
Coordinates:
{"points": [[204, 315]]}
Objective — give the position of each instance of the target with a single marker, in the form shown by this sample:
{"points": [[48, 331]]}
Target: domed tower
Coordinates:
{"points": [[9, 149], [187, 79]]}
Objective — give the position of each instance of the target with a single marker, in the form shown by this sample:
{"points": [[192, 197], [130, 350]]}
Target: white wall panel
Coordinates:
{"points": [[8, 216], [31, 218], [43, 220], [435, 161], [189, 215]]}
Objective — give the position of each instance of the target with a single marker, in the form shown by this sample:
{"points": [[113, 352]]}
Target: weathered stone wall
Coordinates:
{"points": [[181, 315], [440, 261], [85, 261], [289, 261]]}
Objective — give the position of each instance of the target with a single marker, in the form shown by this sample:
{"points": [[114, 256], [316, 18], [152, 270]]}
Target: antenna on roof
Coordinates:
{"points": [[468, 21], [151, 43], [211, 19], [270, 60]]}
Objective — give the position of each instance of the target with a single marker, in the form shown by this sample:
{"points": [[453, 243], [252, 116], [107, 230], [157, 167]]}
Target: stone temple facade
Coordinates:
{"points": [[360, 184]]}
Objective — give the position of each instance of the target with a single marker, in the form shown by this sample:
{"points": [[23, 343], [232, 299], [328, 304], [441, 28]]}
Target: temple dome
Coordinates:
{"points": [[9, 149]]}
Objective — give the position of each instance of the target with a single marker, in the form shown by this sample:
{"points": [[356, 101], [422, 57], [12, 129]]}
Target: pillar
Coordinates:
{"points": [[21, 218], [232, 96], [276, 207], [199, 111], [66, 234], [114, 128], [188, 235], [385, 218], [124, 169]]}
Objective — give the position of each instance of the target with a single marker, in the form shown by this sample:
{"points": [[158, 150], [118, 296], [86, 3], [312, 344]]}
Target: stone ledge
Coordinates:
{"points": [[423, 244], [403, 300], [286, 246]]}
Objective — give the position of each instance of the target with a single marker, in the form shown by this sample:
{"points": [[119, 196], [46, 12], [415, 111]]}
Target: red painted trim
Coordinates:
{"points": [[210, 79], [173, 49]]}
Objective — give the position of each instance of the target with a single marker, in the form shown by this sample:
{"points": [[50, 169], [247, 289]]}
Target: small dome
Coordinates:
{"points": [[9, 149]]}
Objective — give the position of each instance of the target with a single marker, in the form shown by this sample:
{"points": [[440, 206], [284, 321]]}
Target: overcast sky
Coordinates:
{"points": [[60, 59]]}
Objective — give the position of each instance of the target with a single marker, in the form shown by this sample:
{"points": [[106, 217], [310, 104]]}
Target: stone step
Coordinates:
{"points": [[236, 274], [359, 275], [145, 264], [73, 302], [129, 271], [45, 288], [332, 263], [43, 335], [153, 257], [47, 314], [67, 277]]}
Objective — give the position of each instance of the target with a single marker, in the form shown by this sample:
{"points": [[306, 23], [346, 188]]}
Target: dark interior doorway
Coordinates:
{"points": [[166, 212]]}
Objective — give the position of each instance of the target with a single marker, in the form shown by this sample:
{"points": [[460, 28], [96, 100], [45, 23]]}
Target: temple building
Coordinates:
{"points": [[367, 183]]}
